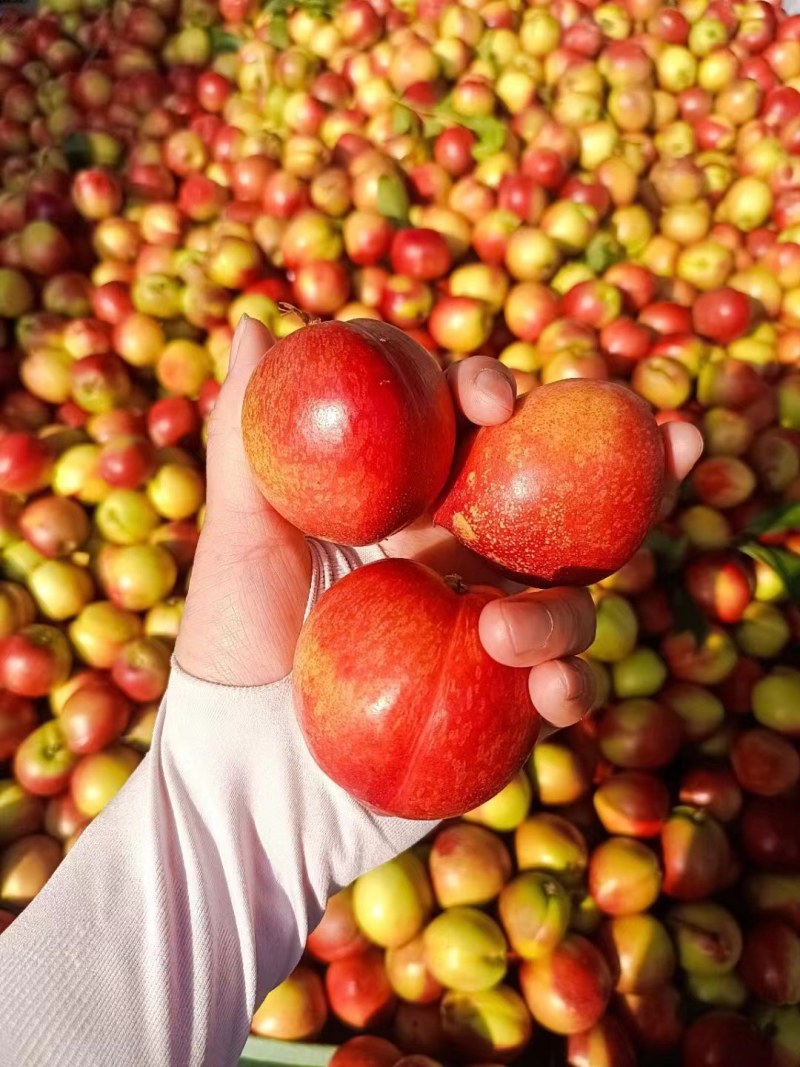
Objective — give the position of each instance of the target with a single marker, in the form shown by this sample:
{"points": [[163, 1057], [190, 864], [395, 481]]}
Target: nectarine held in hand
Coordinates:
{"points": [[566, 490], [397, 699], [349, 429]]}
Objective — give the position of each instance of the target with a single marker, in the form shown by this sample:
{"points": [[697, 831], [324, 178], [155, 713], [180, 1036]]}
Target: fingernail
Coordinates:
{"points": [[236, 343], [529, 626], [575, 683], [494, 387]]}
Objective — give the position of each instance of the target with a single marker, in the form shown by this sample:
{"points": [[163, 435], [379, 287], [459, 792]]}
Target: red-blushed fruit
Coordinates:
{"points": [[17, 719], [26, 866], [25, 463], [21, 813], [141, 669], [633, 803], [56, 526], [295, 1010], [565, 491], [366, 1051], [422, 254], [765, 763], [492, 1025], [770, 833], [43, 763], [62, 819], [93, 717], [549, 842], [431, 736], [639, 734], [349, 429], [722, 315], [409, 975], [604, 1045], [653, 1019], [713, 788], [468, 865], [770, 963], [695, 854], [97, 778], [725, 1037], [722, 583], [34, 659], [358, 990], [624, 876], [568, 990], [639, 952]]}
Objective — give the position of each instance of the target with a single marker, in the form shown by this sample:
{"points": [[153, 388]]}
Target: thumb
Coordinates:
{"points": [[231, 486], [233, 500]]}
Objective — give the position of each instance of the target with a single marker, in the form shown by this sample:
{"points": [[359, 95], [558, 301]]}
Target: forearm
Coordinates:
{"points": [[167, 922], [191, 896]]}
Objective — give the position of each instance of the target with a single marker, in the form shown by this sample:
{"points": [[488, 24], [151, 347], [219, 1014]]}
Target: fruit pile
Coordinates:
{"points": [[583, 190]]}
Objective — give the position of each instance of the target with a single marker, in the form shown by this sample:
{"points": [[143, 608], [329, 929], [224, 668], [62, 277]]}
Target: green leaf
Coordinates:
{"points": [[279, 31], [785, 564], [402, 120], [688, 615], [222, 41], [776, 520], [669, 550], [78, 151], [393, 199], [432, 127], [602, 252], [491, 134]]}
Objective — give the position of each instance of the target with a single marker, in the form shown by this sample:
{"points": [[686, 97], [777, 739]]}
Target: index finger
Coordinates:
{"points": [[483, 390]]}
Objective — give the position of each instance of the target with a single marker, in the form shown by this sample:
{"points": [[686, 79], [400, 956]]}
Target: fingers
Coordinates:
{"points": [[230, 485], [683, 446], [483, 390], [562, 691], [532, 628]]}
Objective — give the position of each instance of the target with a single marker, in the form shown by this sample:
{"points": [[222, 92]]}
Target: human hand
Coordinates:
{"points": [[251, 577]]}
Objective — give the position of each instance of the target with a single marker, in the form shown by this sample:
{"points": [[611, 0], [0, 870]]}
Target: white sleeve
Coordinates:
{"points": [[191, 896]]}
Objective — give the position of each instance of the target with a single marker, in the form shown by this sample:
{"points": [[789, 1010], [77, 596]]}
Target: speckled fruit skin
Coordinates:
{"points": [[349, 429], [397, 699], [566, 490]]}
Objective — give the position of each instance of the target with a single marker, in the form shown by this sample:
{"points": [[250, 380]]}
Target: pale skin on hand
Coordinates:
{"points": [[252, 571]]}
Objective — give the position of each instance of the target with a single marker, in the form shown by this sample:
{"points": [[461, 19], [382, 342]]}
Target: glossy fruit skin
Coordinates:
{"points": [[721, 315], [770, 963], [492, 1025], [770, 833], [634, 803], [724, 1037], [94, 717], [349, 429], [358, 990], [405, 740], [295, 1010], [17, 719], [624, 876], [639, 952], [604, 1045], [366, 1051], [695, 854], [25, 866], [468, 865], [392, 902], [565, 491], [567, 991], [337, 935]]}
